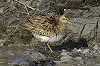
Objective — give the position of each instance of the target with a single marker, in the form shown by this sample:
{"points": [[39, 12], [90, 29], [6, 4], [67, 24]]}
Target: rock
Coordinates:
{"points": [[86, 51], [65, 56], [95, 11], [82, 27], [31, 58], [96, 47], [1, 10], [78, 58], [63, 52]]}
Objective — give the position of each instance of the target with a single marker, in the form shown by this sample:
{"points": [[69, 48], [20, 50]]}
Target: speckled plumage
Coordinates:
{"points": [[48, 29]]}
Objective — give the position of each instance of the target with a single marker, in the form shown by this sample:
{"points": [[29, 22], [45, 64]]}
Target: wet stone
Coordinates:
{"points": [[31, 58]]}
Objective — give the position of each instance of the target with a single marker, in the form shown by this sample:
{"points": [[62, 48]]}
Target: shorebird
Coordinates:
{"points": [[48, 29]]}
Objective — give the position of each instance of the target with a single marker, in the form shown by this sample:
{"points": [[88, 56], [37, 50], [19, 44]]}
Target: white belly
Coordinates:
{"points": [[53, 38]]}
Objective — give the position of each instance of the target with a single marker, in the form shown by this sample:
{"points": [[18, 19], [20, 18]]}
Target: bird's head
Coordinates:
{"points": [[65, 19]]}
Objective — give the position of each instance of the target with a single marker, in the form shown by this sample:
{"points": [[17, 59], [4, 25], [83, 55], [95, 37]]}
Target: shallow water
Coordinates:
{"points": [[8, 54], [88, 62]]}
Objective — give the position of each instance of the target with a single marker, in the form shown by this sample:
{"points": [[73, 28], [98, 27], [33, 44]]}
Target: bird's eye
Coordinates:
{"points": [[66, 19]]}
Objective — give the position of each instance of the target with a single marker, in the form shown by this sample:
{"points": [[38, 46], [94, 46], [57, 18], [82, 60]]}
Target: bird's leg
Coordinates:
{"points": [[45, 48], [49, 48]]}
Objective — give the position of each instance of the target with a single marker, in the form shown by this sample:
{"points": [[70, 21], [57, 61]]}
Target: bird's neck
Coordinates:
{"points": [[61, 26]]}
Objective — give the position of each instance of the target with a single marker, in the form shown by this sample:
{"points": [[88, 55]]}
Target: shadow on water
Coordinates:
{"points": [[71, 44]]}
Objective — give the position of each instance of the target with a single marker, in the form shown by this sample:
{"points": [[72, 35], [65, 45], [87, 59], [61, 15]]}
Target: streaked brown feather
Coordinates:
{"points": [[46, 26]]}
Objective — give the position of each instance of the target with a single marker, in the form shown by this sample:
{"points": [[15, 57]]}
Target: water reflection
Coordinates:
{"points": [[8, 54]]}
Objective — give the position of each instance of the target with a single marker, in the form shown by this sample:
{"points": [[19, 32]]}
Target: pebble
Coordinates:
{"points": [[96, 47], [86, 51], [78, 58], [65, 56]]}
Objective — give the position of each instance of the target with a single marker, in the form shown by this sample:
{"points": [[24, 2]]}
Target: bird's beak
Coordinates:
{"points": [[69, 22]]}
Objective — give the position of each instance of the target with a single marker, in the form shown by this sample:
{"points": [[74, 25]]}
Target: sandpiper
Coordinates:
{"points": [[48, 29]]}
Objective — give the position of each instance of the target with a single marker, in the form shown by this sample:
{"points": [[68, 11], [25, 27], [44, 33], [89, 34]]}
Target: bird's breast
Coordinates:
{"points": [[53, 38]]}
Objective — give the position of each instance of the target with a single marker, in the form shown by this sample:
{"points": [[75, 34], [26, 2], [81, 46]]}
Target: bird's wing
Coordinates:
{"points": [[42, 26]]}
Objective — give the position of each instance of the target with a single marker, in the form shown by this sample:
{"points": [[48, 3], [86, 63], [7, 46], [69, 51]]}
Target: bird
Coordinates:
{"points": [[47, 28]]}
